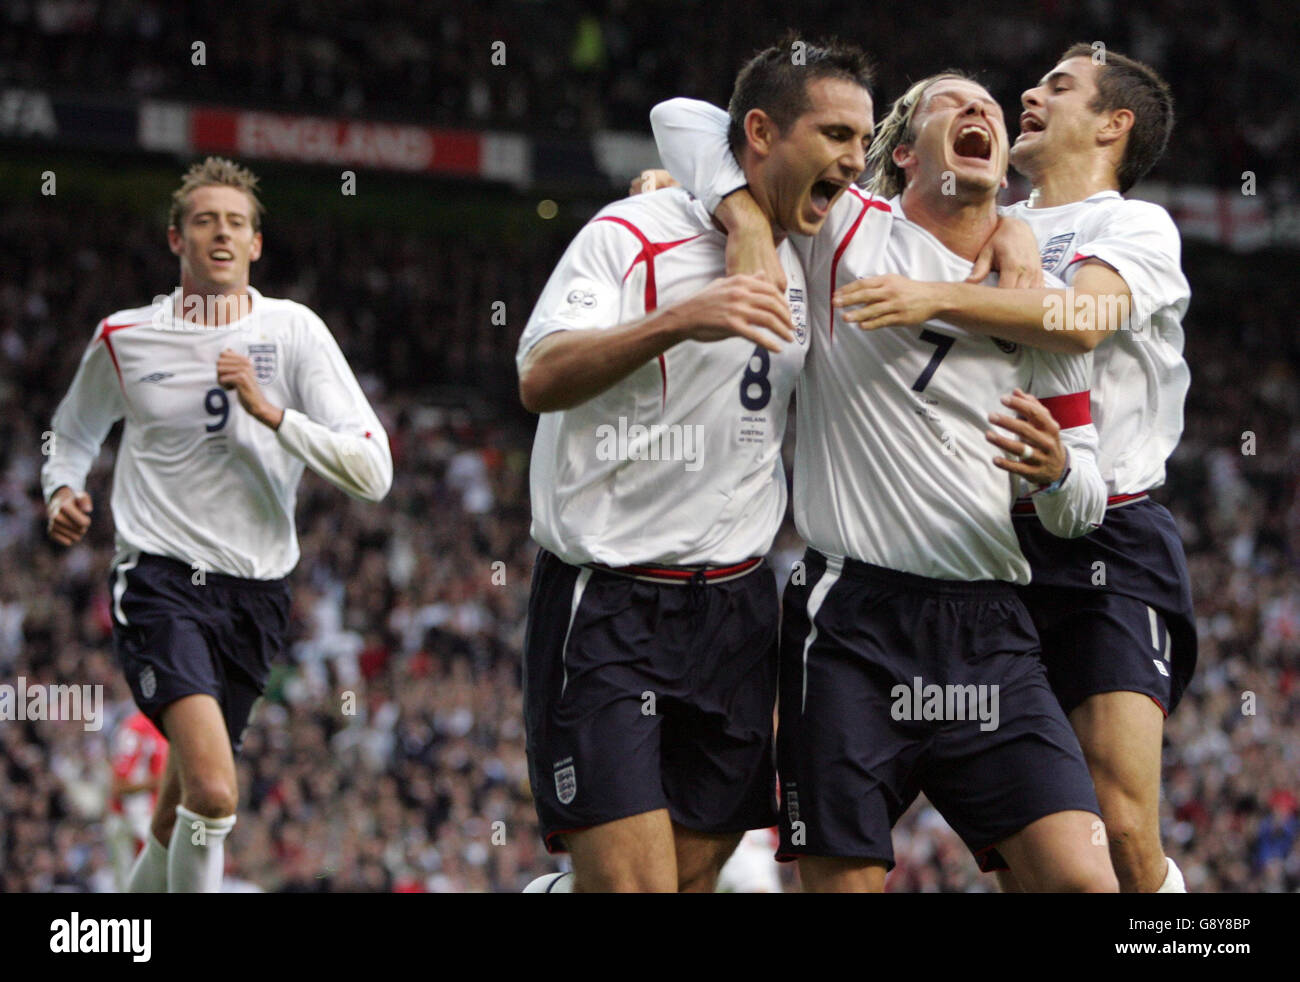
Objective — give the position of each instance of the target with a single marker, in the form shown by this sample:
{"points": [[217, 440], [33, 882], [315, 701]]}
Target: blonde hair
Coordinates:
{"points": [[215, 171], [886, 177]]}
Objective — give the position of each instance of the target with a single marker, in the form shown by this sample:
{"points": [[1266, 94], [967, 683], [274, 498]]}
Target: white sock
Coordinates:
{"points": [[551, 883], [196, 859], [149, 874], [1173, 879]]}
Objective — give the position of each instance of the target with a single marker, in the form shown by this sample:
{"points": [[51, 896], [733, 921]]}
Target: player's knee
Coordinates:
{"points": [[698, 872], [214, 798], [1127, 823]]}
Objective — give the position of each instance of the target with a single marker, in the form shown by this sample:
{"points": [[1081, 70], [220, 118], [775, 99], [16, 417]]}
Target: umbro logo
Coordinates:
{"points": [[157, 376]]}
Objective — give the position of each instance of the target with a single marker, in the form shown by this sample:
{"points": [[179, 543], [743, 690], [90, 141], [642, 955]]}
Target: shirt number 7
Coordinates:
{"points": [[943, 344]]}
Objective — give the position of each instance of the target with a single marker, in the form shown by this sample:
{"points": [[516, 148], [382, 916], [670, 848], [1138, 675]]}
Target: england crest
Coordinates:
{"points": [[566, 781], [265, 362], [148, 682], [1054, 249], [798, 314]]}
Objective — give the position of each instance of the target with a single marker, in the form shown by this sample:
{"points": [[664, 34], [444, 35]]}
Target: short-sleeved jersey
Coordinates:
{"points": [[892, 466], [679, 462], [1140, 379], [197, 478]]}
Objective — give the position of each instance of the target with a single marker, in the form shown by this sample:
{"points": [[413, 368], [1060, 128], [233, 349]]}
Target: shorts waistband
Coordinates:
{"points": [[146, 560], [893, 579], [681, 575], [1026, 507]]}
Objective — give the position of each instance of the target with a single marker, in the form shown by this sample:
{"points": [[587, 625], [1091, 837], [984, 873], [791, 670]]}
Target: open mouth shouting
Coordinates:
{"points": [[823, 193], [973, 141], [1029, 123], [221, 257]]}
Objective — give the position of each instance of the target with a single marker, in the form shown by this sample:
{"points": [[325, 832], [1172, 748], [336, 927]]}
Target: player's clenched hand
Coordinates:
{"points": [[1012, 250], [881, 301], [738, 306], [650, 180], [234, 371], [1038, 454], [69, 514]]}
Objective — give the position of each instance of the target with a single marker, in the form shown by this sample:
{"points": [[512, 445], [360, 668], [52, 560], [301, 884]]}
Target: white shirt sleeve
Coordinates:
{"points": [[692, 140], [1061, 382], [335, 432], [93, 403], [585, 290], [1141, 243]]}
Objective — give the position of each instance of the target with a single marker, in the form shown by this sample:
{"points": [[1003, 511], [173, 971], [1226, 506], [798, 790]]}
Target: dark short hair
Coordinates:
{"points": [[1124, 83], [776, 80]]}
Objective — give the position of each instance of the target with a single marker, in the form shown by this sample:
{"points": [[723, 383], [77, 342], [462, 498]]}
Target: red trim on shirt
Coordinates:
{"points": [[1078, 256], [1072, 410], [105, 329], [867, 203], [648, 252]]}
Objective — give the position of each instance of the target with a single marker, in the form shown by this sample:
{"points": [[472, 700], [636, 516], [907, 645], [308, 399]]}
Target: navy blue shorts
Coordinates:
{"points": [[641, 695], [1113, 608], [894, 684], [174, 637]]}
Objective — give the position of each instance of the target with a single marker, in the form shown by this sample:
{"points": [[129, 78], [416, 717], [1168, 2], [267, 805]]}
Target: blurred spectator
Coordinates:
{"points": [[574, 66]]}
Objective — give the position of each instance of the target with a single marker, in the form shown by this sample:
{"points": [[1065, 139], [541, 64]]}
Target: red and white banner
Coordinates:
{"points": [[333, 141]]}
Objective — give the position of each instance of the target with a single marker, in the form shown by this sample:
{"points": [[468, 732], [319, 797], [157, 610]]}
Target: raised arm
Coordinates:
{"points": [[692, 139]]}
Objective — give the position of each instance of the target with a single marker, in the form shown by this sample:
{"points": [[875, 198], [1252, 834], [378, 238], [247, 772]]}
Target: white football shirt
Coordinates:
{"points": [[891, 464], [1140, 379], [680, 462], [197, 479]]}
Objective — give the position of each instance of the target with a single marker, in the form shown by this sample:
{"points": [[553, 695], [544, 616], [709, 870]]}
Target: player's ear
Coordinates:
{"points": [[1117, 124], [760, 131], [902, 155], [174, 241], [255, 250]]}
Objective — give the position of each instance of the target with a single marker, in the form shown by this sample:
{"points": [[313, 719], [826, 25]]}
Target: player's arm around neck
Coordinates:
{"points": [[1066, 321], [568, 368], [691, 137]]}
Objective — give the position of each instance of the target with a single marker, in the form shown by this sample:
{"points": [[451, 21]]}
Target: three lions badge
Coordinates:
{"points": [[265, 362]]}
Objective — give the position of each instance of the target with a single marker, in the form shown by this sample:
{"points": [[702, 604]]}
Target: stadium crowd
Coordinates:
{"points": [[576, 66], [389, 753]]}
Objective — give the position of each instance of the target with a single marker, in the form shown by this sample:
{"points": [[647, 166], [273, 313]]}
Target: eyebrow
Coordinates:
{"points": [[1054, 76], [213, 211]]}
